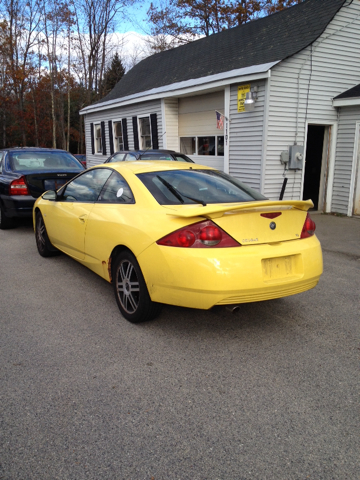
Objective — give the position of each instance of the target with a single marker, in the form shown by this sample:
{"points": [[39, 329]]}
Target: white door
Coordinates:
{"points": [[357, 178]]}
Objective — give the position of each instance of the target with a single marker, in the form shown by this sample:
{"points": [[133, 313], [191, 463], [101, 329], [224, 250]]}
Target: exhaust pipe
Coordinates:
{"points": [[232, 308]]}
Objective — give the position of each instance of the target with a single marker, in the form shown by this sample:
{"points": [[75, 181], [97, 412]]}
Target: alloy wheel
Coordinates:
{"points": [[41, 233], [128, 286]]}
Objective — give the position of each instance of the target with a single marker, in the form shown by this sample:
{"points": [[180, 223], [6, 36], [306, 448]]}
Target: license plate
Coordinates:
{"points": [[54, 184], [281, 267]]}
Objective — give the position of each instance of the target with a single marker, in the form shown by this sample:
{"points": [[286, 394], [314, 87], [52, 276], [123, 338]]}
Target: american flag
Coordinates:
{"points": [[219, 120]]}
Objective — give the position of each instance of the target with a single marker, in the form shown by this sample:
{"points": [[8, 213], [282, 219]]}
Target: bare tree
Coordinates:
{"points": [[23, 19], [95, 21]]}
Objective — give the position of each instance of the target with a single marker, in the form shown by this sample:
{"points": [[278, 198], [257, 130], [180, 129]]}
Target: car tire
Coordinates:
{"points": [[44, 246], [130, 290], [5, 222]]}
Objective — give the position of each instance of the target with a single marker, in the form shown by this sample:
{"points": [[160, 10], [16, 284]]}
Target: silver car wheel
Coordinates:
{"points": [[128, 286], [40, 232]]}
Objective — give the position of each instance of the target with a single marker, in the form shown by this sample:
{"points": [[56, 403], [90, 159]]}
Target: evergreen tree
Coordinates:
{"points": [[112, 76]]}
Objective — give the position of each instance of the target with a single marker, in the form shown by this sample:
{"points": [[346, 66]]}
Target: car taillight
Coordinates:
{"points": [[271, 215], [199, 235], [308, 228], [18, 187]]}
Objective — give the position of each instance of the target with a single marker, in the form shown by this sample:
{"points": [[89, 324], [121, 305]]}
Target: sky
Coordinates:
{"points": [[137, 18], [131, 33]]}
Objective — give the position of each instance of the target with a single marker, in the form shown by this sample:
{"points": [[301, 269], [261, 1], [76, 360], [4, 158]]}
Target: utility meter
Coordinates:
{"points": [[296, 157]]}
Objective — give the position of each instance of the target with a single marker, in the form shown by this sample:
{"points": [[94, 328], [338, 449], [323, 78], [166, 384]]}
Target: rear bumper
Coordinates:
{"points": [[202, 278], [18, 206]]}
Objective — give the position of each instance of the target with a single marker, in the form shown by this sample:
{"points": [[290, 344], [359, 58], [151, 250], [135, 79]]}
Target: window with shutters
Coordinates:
{"points": [[145, 133], [98, 139], [118, 137]]}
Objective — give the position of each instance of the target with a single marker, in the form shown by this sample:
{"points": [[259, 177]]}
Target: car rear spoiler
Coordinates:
{"points": [[218, 210]]}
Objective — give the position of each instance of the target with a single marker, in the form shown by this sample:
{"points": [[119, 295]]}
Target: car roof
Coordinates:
{"points": [[32, 149], [142, 166]]}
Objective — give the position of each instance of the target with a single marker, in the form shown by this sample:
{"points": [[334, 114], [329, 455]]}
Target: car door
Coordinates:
{"points": [[108, 222], [69, 214]]}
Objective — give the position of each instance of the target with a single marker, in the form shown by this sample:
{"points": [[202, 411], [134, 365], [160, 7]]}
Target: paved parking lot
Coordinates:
{"points": [[270, 392]]}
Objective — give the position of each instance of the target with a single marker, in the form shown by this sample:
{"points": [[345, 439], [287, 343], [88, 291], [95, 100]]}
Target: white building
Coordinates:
{"points": [[302, 66]]}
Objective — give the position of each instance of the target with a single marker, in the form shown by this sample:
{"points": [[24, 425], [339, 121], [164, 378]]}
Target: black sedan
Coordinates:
{"points": [[25, 173], [129, 156]]}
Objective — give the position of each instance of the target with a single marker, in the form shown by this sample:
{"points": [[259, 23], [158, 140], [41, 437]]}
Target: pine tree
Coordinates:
{"points": [[112, 76]]}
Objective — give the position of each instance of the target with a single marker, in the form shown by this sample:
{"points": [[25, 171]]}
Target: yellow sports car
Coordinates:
{"points": [[181, 234]]}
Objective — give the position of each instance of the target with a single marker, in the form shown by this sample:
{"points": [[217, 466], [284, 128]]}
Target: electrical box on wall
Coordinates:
{"points": [[284, 157], [296, 157]]}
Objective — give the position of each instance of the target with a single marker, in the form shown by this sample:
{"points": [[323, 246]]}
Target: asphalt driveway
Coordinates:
{"points": [[271, 392]]}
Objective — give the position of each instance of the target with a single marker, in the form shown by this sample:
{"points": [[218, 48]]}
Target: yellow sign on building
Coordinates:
{"points": [[242, 91]]}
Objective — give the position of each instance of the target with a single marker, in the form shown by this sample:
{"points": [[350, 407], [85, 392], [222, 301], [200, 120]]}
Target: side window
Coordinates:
{"points": [[145, 133], [206, 146], [116, 190], [86, 187], [118, 136], [98, 139]]}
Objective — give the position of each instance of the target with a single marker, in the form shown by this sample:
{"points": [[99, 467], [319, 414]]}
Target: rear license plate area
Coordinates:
{"points": [[55, 183], [281, 268]]}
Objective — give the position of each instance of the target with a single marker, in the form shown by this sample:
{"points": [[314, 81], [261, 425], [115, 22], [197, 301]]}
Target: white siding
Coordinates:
{"points": [[246, 138], [344, 158], [141, 109], [197, 117], [301, 92], [171, 123]]}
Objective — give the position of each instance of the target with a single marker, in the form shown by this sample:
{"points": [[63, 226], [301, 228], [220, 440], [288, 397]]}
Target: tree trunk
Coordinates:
{"points": [[68, 93], [35, 119]]}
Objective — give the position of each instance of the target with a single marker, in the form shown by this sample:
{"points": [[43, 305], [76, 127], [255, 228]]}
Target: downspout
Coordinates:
{"points": [[227, 129]]}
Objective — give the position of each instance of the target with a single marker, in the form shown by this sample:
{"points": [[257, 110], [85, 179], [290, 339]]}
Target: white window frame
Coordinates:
{"points": [[115, 137], [141, 137], [98, 140], [197, 145]]}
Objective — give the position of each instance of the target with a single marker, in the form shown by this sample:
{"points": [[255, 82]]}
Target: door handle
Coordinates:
{"points": [[82, 218]]}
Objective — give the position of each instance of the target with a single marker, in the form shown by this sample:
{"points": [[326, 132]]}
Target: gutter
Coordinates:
{"points": [[255, 72], [346, 102]]}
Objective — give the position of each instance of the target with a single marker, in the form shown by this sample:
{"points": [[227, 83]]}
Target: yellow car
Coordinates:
{"points": [[180, 234]]}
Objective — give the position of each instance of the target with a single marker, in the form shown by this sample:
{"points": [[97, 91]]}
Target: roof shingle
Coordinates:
{"points": [[351, 93], [261, 41]]}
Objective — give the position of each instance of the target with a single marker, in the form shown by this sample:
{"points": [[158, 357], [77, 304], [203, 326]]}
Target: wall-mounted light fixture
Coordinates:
{"points": [[251, 97]]}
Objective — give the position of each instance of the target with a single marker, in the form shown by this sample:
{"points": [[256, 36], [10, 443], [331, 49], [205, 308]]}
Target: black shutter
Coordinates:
{"points": [[92, 138], [111, 137], [154, 131], [125, 134], [136, 133], [103, 138]]}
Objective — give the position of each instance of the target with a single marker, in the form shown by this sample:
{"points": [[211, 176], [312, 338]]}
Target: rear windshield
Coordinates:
{"points": [[197, 186], [155, 156], [165, 156], [182, 158], [43, 161]]}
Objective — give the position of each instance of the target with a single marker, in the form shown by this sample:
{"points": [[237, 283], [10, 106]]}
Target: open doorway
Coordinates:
{"points": [[316, 165]]}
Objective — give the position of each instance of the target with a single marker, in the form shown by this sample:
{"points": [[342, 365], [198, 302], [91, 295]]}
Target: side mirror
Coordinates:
{"points": [[50, 195]]}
